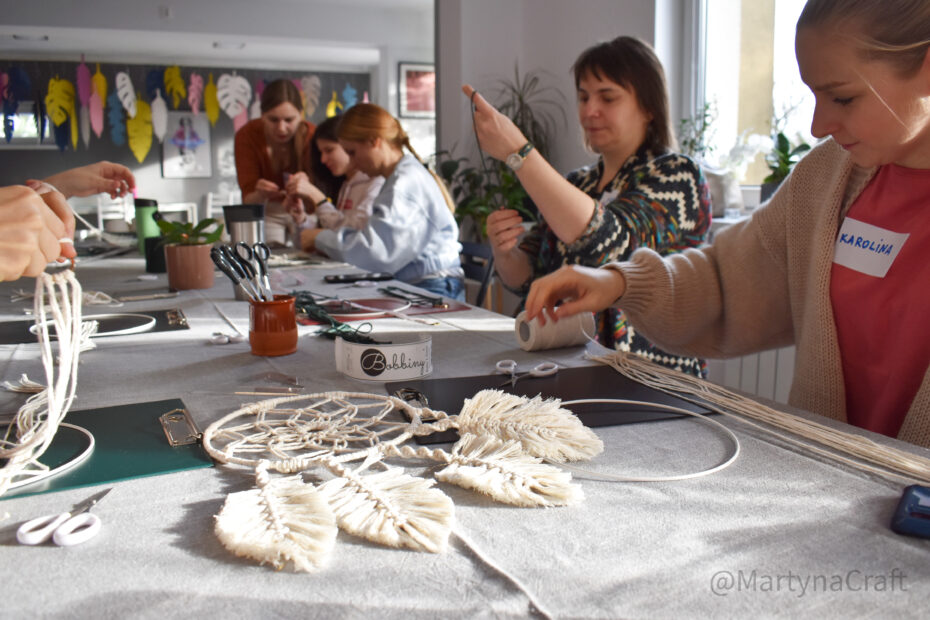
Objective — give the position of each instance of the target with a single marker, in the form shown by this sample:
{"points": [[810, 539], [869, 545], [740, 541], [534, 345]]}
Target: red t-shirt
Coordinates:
{"points": [[883, 323]]}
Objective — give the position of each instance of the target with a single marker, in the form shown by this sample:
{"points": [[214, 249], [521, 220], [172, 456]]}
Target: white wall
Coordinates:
{"points": [[478, 41]]}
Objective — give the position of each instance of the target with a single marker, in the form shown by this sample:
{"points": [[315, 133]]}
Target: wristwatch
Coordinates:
{"points": [[515, 160]]}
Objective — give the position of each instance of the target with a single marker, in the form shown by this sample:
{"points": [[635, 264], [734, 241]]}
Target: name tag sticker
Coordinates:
{"points": [[867, 249]]}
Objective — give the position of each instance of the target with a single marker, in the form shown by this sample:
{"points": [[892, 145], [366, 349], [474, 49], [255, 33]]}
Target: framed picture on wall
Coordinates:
{"points": [[416, 90], [186, 151]]}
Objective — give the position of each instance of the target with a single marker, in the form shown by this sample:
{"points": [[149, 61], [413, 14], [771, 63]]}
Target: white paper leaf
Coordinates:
{"points": [[391, 508], [311, 86], [126, 93], [234, 93], [502, 470], [85, 125], [542, 426], [285, 520], [159, 116]]}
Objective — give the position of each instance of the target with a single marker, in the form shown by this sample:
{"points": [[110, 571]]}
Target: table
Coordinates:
{"points": [[797, 535]]}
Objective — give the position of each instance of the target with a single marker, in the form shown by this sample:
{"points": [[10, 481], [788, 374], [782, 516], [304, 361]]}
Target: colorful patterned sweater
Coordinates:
{"points": [[655, 201]]}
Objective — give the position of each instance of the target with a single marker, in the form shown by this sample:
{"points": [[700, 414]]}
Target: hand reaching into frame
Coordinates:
{"points": [[573, 289]]}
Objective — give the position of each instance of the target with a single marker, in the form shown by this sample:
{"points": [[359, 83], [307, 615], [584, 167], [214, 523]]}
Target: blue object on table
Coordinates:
{"points": [[912, 517]]}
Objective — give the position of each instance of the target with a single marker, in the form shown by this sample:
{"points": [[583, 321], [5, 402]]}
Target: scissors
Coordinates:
{"points": [[509, 367], [65, 529], [256, 257]]}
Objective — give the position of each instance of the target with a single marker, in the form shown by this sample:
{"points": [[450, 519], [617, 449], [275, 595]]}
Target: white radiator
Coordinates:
{"points": [[766, 374]]}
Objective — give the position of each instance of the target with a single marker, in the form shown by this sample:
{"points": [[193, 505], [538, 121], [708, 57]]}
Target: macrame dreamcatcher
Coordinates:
{"points": [[320, 438], [57, 303]]}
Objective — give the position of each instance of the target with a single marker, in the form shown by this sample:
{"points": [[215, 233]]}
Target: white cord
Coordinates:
{"points": [[663, 407], [48, 473]]}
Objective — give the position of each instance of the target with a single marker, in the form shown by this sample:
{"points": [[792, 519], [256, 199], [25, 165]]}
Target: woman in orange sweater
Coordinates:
{"points": [[270, 149]]}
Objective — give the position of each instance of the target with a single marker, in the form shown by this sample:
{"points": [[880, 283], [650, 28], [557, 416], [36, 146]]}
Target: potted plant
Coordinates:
{"points": [[187, 252], [781, 159], [480, 190]]}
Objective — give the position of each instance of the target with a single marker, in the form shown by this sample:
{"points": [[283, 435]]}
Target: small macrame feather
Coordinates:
{"points": [[391, 508], [283, 520], [542, 426], [502, 470]]}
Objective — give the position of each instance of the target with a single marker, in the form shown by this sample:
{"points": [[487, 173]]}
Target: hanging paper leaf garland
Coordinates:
{"points": [[349, 96], [210, 103], [117, 119], [95, 111], [100, 84], [139, 129], [159, 116], [154, 81], [334, 106], [174, 86], [38, 115], [126, 93], [234, 93], [62, 133], [312, 87], [18, 86], [8, 123], [195, 93], [85, 125], [84, 83]]}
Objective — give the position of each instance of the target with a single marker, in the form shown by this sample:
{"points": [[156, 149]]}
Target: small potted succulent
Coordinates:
{"points": [[187, 252]]}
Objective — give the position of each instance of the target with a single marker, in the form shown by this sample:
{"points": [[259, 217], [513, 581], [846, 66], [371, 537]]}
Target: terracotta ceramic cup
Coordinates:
{"points": [[273, 326]]}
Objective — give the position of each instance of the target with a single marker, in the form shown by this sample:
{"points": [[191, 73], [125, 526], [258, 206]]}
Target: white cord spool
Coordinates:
{"points": [[567, 332]]}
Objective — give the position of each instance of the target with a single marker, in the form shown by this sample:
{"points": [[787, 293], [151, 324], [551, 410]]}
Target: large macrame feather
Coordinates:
{"points": [[542, 426], [284, 519], [502, 470], [391, 508]]}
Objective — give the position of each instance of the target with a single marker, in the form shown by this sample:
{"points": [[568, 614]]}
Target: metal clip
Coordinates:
{"points": [[176, 317], [179, 428]]}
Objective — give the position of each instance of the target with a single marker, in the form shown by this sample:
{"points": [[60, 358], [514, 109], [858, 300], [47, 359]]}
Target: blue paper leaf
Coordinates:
{"points": [[154, 81], [117, 121], [350, 96], [63, 134], [38, 114], [19, 85], [8, 127]]}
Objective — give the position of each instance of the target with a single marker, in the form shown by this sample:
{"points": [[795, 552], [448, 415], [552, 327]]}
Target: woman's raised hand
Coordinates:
{"points": [[498, 136], [573, 289], [504, 228], [32, 233]]}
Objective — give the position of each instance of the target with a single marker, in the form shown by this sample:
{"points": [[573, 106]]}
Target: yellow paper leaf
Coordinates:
{"points": [[139, 129], [74, 126], [100, 84], [59, 102], [174, 86], [211, 104]]}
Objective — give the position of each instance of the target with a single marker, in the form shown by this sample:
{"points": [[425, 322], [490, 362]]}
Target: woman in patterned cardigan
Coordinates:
{"points": [[638, 194]]}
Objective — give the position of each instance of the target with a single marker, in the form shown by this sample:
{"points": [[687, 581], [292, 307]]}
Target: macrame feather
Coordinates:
{"points": [[284, 519], [502, 470], [543, 428], [391, 508]]}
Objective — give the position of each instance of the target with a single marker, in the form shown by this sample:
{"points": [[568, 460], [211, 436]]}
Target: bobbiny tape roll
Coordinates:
{"points": [[385, 362], [568, 332]]}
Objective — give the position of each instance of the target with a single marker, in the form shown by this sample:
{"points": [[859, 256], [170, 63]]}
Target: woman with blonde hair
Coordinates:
{"points": [[269, 150], [837, 262], [411, 232]]}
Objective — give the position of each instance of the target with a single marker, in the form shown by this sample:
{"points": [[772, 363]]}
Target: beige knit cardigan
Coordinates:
{"points": [[765, 283]]}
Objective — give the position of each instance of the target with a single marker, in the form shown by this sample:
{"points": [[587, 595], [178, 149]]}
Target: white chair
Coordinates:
{"points": [[215, 201], [189, 209], [114, 209]]}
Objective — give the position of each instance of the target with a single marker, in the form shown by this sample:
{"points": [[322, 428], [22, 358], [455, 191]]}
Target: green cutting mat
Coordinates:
{"points": [[130, 443]]}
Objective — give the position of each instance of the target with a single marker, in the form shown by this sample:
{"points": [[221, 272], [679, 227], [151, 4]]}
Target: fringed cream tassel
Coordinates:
{"points": [[868, 456], [543, 428], [502, 470], [390, 507], [283, 519]]}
